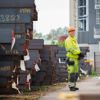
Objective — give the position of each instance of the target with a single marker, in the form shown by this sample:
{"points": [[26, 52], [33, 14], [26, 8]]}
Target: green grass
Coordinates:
{"points": [[34, 88], [43, 88], [93, 73]]}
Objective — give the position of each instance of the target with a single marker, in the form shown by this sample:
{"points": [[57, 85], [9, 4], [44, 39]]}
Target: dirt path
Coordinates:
{"points": [[89, 86]]}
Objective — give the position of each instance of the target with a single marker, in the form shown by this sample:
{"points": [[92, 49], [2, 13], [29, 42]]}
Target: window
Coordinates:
{"points": [[97, 2], [83, 23], [82, 3], [97, 16], [82, 11]]}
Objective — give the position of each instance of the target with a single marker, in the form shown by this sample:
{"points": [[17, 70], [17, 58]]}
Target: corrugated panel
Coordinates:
{"points": [[16, 3]]}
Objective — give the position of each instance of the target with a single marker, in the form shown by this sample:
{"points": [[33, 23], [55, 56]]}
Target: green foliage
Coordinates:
{"points": [[61, 44], [93, 72], [36, 88], [53, 42], [25, 91]]}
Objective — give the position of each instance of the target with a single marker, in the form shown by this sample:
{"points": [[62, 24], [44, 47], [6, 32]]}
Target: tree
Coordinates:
{"points": [[54, 34], [37, 35], [49, 37]]}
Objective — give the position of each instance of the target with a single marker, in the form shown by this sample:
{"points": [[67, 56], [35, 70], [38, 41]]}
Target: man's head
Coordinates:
{"points": [[71, 31]]}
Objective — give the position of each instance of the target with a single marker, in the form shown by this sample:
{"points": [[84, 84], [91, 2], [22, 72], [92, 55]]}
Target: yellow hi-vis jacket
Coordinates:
{"points": [[72, 47]]}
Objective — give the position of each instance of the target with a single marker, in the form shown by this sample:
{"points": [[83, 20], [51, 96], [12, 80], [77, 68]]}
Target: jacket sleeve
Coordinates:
{"points": [[71, 48], [75, 50]]}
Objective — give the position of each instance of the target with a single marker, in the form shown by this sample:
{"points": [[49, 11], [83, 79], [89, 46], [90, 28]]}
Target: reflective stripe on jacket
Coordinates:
{"points": [[72, 47]]}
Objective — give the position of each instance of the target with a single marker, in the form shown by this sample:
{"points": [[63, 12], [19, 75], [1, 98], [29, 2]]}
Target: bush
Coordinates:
{"points": [[53, 42], [61, 44]]}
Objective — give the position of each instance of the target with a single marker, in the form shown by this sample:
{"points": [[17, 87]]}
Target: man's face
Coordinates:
{"points": [[72, 33]]}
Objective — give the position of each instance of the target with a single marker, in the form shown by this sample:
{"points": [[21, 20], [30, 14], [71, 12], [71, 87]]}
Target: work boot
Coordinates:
{"points": [[72, 89], [76, 88]]}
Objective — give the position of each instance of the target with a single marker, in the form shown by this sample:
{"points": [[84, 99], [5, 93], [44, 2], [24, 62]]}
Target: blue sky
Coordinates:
{"points": [[51, 15]]}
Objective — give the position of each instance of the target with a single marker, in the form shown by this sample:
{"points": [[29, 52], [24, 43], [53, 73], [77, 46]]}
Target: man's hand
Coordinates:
{"points": [[81, 56], [70, 62]]}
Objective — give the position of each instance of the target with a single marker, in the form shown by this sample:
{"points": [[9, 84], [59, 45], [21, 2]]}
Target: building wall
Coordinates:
{"points": [[73, 14], [88, 35]]}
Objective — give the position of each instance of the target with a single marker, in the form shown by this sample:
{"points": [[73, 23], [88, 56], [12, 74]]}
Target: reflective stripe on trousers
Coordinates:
{"points": [[71, 84], [73, 73]]}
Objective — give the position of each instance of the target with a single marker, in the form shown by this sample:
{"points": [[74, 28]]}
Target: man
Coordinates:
{"points": [[73, 53]]}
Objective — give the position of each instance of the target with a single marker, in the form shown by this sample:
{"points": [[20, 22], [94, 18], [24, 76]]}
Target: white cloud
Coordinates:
{"points": [[51, 15]]}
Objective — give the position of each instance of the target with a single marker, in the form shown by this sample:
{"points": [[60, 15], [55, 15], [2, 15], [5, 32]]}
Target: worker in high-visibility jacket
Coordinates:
{"points": [[73, 53]]}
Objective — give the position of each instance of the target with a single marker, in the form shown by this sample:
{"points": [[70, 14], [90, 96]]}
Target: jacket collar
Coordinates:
{"points": [[72, 38]]}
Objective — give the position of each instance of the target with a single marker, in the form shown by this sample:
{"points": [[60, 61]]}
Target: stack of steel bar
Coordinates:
{"points": [[61, 67], [21, 79], [34, 46], [16, 18], [47, 74]]}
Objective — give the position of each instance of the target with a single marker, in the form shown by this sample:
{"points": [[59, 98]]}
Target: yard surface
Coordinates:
{"points": [[90, 86]]}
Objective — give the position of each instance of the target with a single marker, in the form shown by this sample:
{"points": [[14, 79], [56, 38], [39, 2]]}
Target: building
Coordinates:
{"points": [[85, 17], [73, 14]]}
